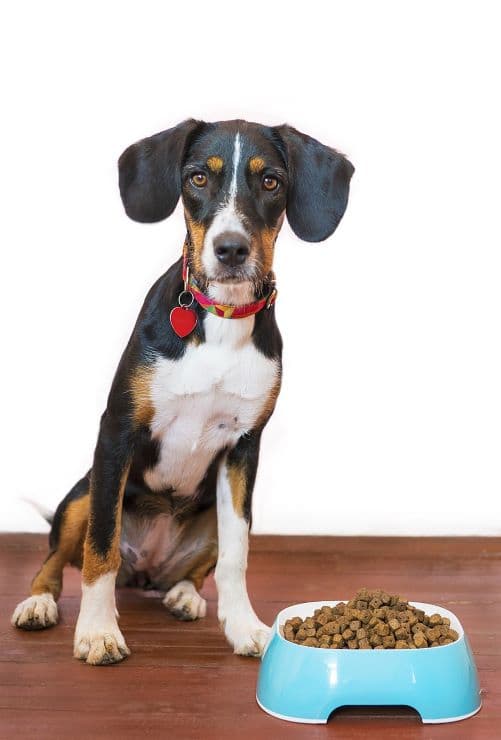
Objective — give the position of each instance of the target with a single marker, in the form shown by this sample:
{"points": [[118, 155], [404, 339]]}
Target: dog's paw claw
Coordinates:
{"points": [[101, 648], [35, 613], [184, 602], [247, 637]]}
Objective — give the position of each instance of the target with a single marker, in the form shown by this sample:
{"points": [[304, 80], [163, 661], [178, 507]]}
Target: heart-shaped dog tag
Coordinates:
{"points": [[183, 320]]}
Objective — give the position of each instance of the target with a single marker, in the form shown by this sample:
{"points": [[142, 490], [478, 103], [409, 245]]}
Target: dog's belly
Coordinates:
{"points": [[203, 403], [162, 550]]}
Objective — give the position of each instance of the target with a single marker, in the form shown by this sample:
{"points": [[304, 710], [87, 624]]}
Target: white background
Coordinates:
{"points": [[390, 415]]}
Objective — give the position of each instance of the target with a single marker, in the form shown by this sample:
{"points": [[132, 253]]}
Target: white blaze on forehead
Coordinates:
{"points": [[236, 160], [227, 217]]}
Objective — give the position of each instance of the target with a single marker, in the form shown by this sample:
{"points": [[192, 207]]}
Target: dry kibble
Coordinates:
{"points": [[331, 628], [372, 620], [434, 620], [311, 642], [433, 634], [418, 627], [402, 633], [323, 618], [445, 641], [401, 645], [420, 640]]}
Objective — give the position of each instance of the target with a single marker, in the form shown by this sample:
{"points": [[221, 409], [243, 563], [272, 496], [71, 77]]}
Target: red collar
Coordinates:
{"points": [[223, 310]]}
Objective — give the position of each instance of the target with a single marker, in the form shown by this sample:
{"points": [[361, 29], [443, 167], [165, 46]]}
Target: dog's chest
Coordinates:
{"points": [[204, 402]]}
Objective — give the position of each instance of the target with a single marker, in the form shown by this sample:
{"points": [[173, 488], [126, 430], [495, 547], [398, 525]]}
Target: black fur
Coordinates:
{"points": [[149, 173], [319, 184]]}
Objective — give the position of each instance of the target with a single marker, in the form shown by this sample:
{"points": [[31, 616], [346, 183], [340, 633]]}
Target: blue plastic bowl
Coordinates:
{"points": [[306, 684]]}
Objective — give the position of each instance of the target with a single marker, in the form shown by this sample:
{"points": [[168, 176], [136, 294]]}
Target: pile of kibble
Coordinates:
{"points": [[372, 620]]}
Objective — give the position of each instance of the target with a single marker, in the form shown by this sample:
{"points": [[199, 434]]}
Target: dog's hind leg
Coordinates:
{"points": [[39, 610], [183, 600]]}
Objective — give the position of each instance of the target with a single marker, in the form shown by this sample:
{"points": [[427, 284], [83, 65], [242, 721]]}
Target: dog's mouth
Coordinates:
{"points": [[233, 275]]}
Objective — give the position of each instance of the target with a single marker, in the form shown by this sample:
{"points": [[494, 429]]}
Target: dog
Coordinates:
{"points": [[168, 497]]}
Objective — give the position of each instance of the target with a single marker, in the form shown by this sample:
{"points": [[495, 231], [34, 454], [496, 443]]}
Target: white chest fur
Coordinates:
{"points": [[206, 401]]}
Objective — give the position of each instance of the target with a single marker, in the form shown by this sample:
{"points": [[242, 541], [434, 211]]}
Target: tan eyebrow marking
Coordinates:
{"points": [[215, 163], [256, 165]]}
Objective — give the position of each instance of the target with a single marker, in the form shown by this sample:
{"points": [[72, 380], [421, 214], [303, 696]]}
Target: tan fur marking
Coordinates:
{"points": [[197, 235], [141, 394], [238, 485], [69, 548], [215, 163], [268, 238], [270, 402], [256, 165], [203, 566], [94, 565]]}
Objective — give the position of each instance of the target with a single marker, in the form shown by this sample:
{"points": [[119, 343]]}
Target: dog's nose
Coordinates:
{"points": [[231, 248]]}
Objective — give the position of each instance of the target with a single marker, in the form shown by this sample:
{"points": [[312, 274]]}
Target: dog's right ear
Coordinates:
{"points": [[150, 173]]}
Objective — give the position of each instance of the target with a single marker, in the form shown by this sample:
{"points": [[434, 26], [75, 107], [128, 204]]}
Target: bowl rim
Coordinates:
{"points": [[286, 613]]}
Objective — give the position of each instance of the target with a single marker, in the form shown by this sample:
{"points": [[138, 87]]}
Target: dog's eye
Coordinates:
{"points": [[199, 179], [270, 183]]}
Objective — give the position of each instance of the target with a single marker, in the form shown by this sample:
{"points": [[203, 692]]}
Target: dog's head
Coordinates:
{"points": [[236, 180]]}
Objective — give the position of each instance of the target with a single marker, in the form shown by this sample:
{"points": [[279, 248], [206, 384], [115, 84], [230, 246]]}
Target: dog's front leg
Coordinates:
{"points": [[98, 639], [237, 472]]}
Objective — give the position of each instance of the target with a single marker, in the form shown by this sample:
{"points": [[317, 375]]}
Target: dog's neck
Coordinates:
{"points": [[233, 294]]}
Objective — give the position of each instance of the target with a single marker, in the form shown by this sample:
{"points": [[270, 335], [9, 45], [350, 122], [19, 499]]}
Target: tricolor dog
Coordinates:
{"points": [[168, 497]]}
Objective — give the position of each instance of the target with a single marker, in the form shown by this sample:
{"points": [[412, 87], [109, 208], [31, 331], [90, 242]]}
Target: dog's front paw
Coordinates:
{"points": [[184, 602], [35, 613], [100, 646], [247, 636]]}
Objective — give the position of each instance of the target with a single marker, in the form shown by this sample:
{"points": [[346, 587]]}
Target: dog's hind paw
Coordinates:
{"points": [[184, 602], [35, 613]]}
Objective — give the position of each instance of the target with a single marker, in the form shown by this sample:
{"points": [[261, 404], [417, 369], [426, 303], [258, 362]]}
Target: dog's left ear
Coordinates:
{"points": [[319, 184], [150, 173]]}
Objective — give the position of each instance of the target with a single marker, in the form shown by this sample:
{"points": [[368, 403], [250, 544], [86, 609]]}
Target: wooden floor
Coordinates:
{"points": [[182, 680]]}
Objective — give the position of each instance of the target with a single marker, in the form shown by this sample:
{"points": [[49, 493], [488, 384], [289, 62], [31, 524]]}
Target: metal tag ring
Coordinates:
{"points": [[185, 293]]}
